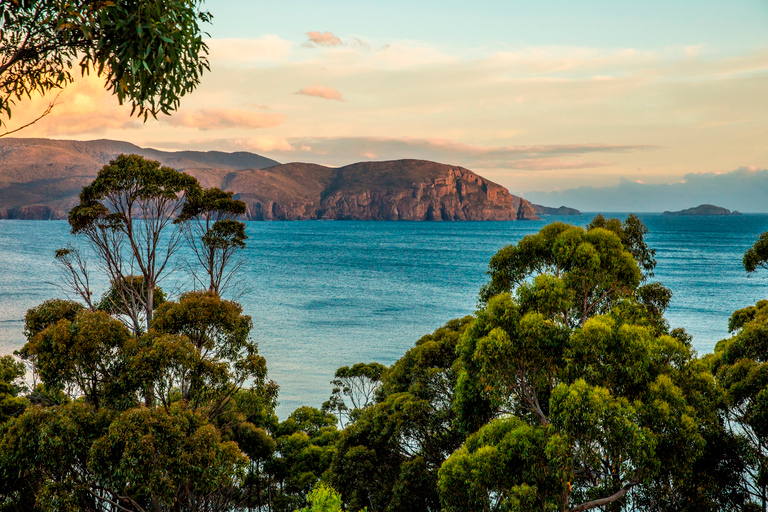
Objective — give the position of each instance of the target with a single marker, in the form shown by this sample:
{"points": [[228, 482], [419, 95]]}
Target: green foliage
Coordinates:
{"points": [[129, 186], [614, 406], [49, 313], [116, 301], [150, 54], [11, 386], [503, 466], [743, 316], [126, 215], [389, 457], [594, 267], [84, 357], [358, 384], [632, 234], [740, 364], [306, 446], [757, 255], [171, 458], [215, 236], [324, 499]]}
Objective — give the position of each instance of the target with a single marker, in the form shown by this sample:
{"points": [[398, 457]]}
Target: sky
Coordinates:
{"points": [[542, 97]]}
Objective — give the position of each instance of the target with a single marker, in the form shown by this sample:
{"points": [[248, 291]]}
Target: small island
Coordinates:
{"points": [[548, 210], [704, 209]]}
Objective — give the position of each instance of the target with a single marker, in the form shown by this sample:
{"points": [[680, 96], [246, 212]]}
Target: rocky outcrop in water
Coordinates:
{"points": [[704, 209], [548, 210]]}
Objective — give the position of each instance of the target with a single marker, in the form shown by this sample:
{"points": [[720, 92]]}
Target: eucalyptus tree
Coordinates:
{"points": [[209, 220], [357, 384], [740, 365], [757, 255], [149, 54], [167, 420], [592, 269], [581, 419], [127, 217], [388, 458]]}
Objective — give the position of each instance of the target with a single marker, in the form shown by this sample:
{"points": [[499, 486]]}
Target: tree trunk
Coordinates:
{"points": [[150, 302]]}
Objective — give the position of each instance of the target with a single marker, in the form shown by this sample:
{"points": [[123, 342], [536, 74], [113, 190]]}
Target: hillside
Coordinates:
{"points": [[41, 178]]}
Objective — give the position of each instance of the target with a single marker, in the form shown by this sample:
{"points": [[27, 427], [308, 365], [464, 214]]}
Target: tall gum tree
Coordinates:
{"points": [[209, 223], [127, 216]]}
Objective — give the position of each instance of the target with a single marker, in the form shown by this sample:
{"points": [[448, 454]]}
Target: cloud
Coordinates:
{"points": [[745, 189], [318, 91], [344, 150], [214, 118], [553, 164], [261, 144], [322, 39], [83, 107]]}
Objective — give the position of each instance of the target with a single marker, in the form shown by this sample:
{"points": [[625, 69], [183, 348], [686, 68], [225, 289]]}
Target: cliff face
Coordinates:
{"points": [[38, 212], [41, 179], [394, 190]]}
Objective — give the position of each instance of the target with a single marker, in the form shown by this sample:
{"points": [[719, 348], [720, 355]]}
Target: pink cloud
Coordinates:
{"points": [[212, 118], [322, 39], [318, 91]]}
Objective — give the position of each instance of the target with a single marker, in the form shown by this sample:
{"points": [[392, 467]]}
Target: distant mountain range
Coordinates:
{"points": [[41, 178]]}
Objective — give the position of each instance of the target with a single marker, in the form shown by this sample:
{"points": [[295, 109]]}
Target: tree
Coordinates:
{"points": [[584, 419], [214, 235], [150, 54], [125, 301], [127, 216], [757, 255], [358, 384], [389, 457], [190, 443], [75, 275], [593, 269], [11, 387], [632, 234], [740, 364], [323, 499]]}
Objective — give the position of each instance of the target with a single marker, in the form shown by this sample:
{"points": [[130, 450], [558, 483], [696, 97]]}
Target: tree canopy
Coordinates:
{"points": [[566, 391], [150, 54]]}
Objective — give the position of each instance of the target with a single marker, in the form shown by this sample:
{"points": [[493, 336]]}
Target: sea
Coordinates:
{"points": [[325, 294]]}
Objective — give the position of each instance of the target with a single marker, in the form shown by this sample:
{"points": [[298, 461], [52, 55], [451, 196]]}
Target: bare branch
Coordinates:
{"points": [[47, 111]]}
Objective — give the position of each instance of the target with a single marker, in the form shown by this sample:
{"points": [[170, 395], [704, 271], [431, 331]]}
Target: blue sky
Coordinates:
{"points": [[729, 26], [537, 96]]}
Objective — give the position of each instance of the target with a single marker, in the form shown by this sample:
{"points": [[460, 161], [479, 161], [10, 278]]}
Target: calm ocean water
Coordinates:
{"points": [[328, 294]]}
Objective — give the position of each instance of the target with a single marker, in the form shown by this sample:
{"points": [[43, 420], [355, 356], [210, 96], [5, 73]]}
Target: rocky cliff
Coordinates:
{"points": [[392, 190], [41, 178]]}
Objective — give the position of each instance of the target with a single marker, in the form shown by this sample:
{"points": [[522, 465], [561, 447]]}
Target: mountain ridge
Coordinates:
{"points": [[41, 179]]}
